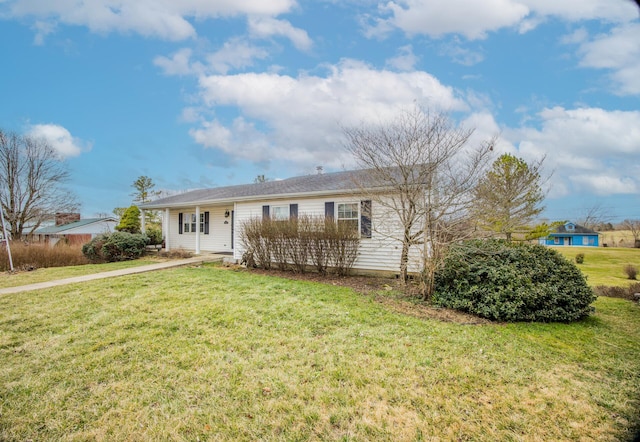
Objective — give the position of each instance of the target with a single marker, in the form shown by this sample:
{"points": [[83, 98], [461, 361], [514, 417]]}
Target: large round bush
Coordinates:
{"points": [[504, 281], [116, 246]]}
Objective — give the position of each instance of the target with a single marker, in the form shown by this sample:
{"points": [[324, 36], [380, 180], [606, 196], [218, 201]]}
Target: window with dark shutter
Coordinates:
{"points": [[365, 219], [206, 223], [265, 212], [180, 223]]}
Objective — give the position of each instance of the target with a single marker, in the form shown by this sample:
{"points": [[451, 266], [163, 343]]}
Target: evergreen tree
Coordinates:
{"points": [[130, 221], [144, 190], [509, 196]]}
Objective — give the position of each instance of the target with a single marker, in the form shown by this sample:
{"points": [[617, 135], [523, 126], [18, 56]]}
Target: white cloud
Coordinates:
{"points": [[235, 54], [580, 10], [589, 149], [60, 139], [404, 61], [470, 18], [459, 54], [605, 184], [618, 51], [265, 27], [580, 35], [474, 19], [157, 18], [298, 119], [178, 64]]}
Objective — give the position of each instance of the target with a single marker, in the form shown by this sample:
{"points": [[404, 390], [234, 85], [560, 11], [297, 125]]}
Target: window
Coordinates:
{"points": [[188, 223], [356, 215], [348, 214], [280, 213], [556, 240], [193, 222]]}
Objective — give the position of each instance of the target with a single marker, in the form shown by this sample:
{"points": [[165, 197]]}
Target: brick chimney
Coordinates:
{"points": [[66, 218]]}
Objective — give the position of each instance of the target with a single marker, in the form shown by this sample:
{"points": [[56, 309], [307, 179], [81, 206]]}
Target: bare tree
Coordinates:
{"points": [[424, 173], [594, 217], [31, 183], [633, 225]]}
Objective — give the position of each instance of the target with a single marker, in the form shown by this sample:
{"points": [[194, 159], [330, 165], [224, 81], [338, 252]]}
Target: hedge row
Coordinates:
{"points": [[299, 242]]}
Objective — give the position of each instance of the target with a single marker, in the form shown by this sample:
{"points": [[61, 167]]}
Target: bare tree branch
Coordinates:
{"points": [[31, 178], [423, 173]]}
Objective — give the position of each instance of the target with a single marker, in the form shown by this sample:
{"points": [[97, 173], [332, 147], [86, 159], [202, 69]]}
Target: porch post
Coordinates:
{"points": [[166, 229], [197, 230]]}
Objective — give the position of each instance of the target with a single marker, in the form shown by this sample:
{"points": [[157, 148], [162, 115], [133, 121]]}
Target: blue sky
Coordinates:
{"points": [[202, 93]]}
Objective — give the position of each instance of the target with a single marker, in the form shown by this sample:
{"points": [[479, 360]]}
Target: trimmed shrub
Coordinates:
{"points": [[319, 245], [116, 246], [618, 292], [631, 271], [254, 232], [580, 258], [511, 282], [93, 249], [344, 243], [298, 242], [154, 234]]}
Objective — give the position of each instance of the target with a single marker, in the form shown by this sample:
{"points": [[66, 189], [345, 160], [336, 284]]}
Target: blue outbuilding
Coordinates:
{"points": [[571, 234]]}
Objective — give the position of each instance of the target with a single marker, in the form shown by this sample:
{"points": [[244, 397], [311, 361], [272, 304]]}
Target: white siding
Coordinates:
{"points": [[218, 239], [380, 252]]}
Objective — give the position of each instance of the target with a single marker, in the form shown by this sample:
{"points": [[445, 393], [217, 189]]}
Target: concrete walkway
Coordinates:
{"points": [[113, 274]]}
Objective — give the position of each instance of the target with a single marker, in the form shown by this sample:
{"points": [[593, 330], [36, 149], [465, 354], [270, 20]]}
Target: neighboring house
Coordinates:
{"points": [[77, 232], [211, 220], [571, 234]]}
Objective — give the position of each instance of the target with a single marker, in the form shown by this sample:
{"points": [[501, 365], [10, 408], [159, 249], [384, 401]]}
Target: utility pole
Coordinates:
{"points": [[5, 239]]}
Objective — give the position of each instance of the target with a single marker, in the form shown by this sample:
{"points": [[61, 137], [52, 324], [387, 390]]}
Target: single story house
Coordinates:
{"points": [[76, 232], [211, 220], [571, 234]]}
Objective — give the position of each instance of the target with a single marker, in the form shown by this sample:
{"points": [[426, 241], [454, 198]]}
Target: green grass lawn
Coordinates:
{"points": [[604, 265], [52, 273], [205, 353]]}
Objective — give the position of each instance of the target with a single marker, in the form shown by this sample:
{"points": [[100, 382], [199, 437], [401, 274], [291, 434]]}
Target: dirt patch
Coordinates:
{"points": [[386, 291]]}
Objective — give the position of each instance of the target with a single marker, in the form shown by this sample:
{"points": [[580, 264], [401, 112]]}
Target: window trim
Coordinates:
{"points": [[276, 216], [187, 223]]}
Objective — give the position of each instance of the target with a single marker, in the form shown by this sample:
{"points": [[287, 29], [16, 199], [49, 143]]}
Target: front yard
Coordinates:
{"points": [[214, 354]]}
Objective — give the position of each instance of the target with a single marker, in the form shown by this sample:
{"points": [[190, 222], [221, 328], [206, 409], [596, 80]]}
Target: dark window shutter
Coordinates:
{"points": [[293, 210], [265, 212], [206, 223], [365, 219], [329, 209], [180, 223]]}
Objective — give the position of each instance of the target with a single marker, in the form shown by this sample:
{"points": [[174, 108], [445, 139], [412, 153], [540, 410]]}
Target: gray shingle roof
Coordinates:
{"points": [[49, 230], [578, 230], [309, 184]]}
